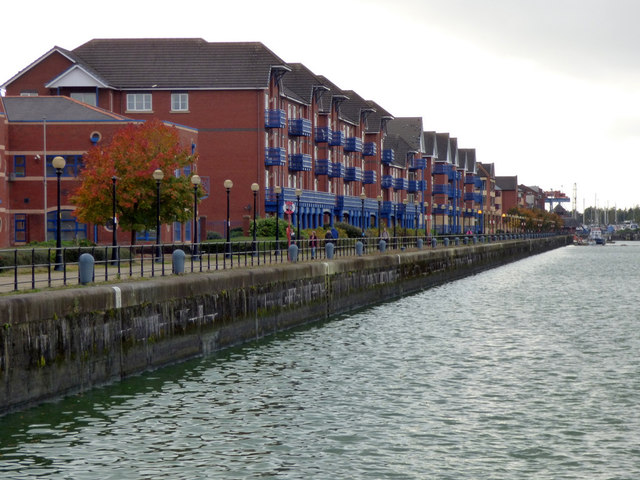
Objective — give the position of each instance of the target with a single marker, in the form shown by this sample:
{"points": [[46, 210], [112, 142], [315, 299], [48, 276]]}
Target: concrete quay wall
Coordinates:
{"points": [[65, 341]]}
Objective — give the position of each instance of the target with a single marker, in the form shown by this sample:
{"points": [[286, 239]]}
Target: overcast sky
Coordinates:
{"points": [[548, 90]]}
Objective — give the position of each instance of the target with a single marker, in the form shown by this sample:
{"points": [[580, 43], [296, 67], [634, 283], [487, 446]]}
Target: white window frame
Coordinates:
{"points": [[180, 102], [90, 98], [139, 102]]}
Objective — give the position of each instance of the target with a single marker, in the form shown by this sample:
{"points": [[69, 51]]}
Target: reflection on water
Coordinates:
{"points": [[526, 371]]}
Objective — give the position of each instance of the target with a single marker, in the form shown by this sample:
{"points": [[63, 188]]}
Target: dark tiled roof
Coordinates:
{"points": [[178, 63], [378, 119], [430, 144], [399, 145], [488, 168], [54, 109], [334, 92], [442, 140], [409, 128], [301, 82], [356, 106], [453, 153], [470, 155], [507, 183]]}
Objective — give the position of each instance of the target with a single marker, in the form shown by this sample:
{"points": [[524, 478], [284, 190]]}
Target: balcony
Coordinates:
{"points": [[469, 179], [400, 184], [274, 156], [300, 162], [444, 169], [417, 164], [323, 135], [473, 197], [387, 181], [275, 119], [336, 170], [353, 174], [337, 139], [369, 177], [322, 166], [416, 186], [440, 189], [300, 127], [388, 156], [353, 144], [369, 149]]}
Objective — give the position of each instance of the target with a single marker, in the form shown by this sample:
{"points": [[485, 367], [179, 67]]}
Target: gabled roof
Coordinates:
{"points": [[61, 51], [170, 63], [410, 129], [378, 120], [336, 94], [487, 168], [470, 156], [301, 83], [442, 140], [55, 109], [453, 153], [400, 146], [430, 145], [358, 107], [507, 183]]}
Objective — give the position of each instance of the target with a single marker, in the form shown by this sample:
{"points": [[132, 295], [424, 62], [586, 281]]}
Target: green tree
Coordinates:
{"points": [[132, 156]]}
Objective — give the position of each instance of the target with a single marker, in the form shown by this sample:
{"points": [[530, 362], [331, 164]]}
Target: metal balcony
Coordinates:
{"points": [[387, 181], [322, 167], [300, 162], [337, 139], [369, 177], [369, 149], [336, 170], [417, 164], [323, 135], [353, 174], [388, 156], [300, 127], [353, 144], [400, 184], [275, 119], [274, 156]]}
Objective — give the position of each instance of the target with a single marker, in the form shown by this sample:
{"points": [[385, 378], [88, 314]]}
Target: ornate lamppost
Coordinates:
{"points": [[58, 163], [255, 188], [228, 185], [158, 175], [379, 208], [277, 190], [195, 181], [362, 197], [114, 239], [298, 195]]}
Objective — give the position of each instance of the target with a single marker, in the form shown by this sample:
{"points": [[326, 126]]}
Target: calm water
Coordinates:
{"points": [[526, 371]]}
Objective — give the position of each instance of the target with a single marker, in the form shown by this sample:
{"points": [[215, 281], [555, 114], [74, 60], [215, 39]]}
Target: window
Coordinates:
{"points": [[85, 97], [71, 169], [179, 102], [139, 102], [19, 166], [20, 227], [70, 229], [29, 93]]}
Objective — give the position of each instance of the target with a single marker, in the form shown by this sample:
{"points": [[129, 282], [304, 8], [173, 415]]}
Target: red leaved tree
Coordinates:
{"points": [[132, 156]]}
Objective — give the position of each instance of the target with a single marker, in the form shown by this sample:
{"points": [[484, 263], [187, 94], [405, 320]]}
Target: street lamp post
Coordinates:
{"points": [[415, 219], [195, 181], [426, 220], [58, 163], [228, 185], [158, 175], [254, 188], [395, 222], [362, 197], [114, 238], [278, 190], [379, 208], [298, 195]]}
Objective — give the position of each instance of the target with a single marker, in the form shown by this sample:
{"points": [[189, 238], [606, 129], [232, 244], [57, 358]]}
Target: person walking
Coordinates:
{"points": [[313, 243]]}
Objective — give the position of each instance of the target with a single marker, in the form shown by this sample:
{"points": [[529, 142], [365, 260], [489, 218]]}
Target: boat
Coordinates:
{"points": [[596, 237]]}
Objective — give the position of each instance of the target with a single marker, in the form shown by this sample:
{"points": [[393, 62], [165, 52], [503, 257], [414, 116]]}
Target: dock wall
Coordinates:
{"points": [[60, 342]]}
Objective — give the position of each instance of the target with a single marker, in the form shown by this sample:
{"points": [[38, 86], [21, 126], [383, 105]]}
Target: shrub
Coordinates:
{"points": [[213, 236]]}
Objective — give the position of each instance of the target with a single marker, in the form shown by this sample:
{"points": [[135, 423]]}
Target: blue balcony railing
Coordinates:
{"points": [[473, 197], [353, 144], [337, 139], [275, 119], [369, 177], [388, 156], [353, 174], [322, 167], [300, 162], [323, 135], [417, 163], [469, 179], [387, 181], [416, 186], [274, 156], [400, 184], [440, 189], [300, 127], [336, 170], [369, 149]]}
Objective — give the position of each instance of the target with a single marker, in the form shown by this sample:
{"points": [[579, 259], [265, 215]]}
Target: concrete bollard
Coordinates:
{"points": [[434, 242], [465, 240], [456, 241], [86, 270], [446, 242], [475, 240], [419, 244], [382, 245], [359, 248], [293, 252], [177, 261], [329, 249]]}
